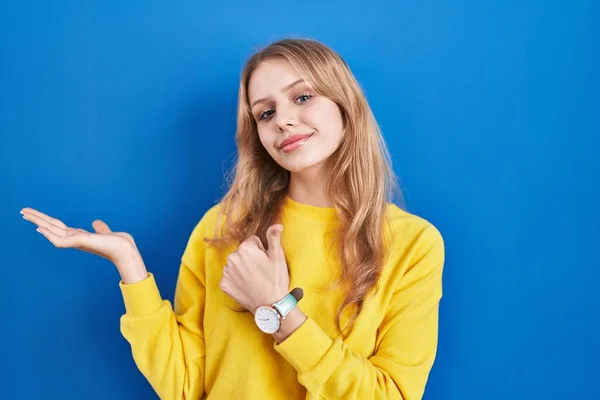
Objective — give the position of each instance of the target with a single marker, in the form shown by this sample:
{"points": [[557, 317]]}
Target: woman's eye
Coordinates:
{"points": [[300, 99], [303, 98], [264, 115]]}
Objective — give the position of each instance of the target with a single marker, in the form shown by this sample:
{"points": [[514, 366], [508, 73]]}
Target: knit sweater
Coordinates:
{"points": [[198, 347]]}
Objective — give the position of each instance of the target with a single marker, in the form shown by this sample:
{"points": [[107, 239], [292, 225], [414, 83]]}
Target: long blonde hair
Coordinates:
{"points": [[361, 183]]}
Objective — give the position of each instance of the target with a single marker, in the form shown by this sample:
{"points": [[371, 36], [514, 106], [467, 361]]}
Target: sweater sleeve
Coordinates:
{"points": [[167, 342], [406, 342]]}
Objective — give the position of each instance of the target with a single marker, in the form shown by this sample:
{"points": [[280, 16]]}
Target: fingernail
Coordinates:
{"points": [[38, 229]]}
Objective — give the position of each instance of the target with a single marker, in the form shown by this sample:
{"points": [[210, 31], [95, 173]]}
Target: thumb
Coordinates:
{"points": [[275, 251], [101, 226]]}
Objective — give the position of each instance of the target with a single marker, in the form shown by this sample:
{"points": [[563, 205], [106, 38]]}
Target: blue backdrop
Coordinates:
{"points": [[125, 111]]}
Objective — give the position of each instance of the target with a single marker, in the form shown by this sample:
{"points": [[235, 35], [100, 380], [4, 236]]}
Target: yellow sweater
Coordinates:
{"points": [[202, 349]]}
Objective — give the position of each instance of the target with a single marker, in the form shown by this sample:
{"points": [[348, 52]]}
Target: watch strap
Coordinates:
{"points": [[298, 293], [285, 305]]}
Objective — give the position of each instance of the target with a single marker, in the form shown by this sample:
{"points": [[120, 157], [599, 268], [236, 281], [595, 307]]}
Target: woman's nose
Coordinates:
{"points": [[285, 118]]}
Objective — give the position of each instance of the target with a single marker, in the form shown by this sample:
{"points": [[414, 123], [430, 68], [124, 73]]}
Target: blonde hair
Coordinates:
{"points": [[360, 185]]}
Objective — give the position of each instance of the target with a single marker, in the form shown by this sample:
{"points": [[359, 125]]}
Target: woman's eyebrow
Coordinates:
{"points": [[283, 90]]}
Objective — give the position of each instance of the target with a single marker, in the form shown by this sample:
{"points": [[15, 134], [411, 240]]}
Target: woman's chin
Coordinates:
{"points": [[299, 166]]}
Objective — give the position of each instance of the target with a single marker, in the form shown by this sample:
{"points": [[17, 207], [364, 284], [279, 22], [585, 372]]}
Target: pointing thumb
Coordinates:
{"points": [[275, 251]]}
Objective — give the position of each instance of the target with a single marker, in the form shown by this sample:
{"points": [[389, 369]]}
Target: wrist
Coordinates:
{"points": [[280, 294], [289, 325], [281, 318], [132, 269]]}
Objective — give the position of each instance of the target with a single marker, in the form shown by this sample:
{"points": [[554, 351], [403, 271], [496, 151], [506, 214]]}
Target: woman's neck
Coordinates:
{"points": [[307, 187]]}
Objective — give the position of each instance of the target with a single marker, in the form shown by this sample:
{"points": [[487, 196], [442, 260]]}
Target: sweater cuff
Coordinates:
{"points": [[305, 347], [141, 297]]}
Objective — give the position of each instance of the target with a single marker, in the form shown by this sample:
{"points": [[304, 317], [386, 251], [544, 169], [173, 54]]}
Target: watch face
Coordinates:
{"points": [[267, 319]]}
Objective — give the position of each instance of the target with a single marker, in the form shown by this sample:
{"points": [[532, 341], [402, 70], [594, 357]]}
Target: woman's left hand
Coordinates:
{"points": [[254, 276]]}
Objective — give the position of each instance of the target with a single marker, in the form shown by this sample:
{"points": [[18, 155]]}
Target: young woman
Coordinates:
{"points": [[305, 281]]}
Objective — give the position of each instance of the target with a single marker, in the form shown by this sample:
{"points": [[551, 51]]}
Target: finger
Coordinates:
{"points": [[101, 226], [54, 221], [233, 259], [34, 218], [224, 285], [260, 245], [256, 240], [75, 231], [58, 241], [275, 251], [250, 245]]}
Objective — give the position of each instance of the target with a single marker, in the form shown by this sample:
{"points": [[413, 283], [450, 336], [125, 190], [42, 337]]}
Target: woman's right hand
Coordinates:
{"points": [[117, 247]]}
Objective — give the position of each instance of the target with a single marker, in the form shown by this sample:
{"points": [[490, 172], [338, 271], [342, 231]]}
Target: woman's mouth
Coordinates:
{"points": [[294, 143]]}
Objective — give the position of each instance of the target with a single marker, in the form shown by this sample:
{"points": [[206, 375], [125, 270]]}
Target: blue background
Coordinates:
{"points": [[125, 111]]}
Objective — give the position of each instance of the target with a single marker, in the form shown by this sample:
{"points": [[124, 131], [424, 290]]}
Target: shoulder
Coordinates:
{"points": [[210, 220], [407, 227], [416, 245], [203, 228]]}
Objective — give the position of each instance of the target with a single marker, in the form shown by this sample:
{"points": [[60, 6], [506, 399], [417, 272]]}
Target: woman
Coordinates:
{"points": [[307, 210]]}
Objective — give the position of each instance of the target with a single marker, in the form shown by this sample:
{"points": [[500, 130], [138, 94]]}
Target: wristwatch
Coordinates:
{"points": [[268, 318]]}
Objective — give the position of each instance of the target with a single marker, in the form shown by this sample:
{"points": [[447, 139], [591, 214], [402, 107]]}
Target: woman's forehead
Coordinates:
{"points": [[271, 78]]}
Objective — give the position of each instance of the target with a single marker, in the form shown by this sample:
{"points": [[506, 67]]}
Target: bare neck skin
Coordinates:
{"points": [[307, 186]]}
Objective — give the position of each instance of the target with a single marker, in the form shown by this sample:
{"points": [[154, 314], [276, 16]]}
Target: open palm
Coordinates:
{"points": [[113, 246]]}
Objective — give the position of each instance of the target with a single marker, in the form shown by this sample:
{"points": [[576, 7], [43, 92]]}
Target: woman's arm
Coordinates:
{"points": [[168, 344], [406, 342]]}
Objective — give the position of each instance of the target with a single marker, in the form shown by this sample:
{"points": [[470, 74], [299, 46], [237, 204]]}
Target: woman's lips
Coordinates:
{"points": [[296, 143]]}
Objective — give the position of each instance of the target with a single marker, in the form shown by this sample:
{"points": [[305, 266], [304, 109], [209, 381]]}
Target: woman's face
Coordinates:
{"points": [[286, 107]]}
